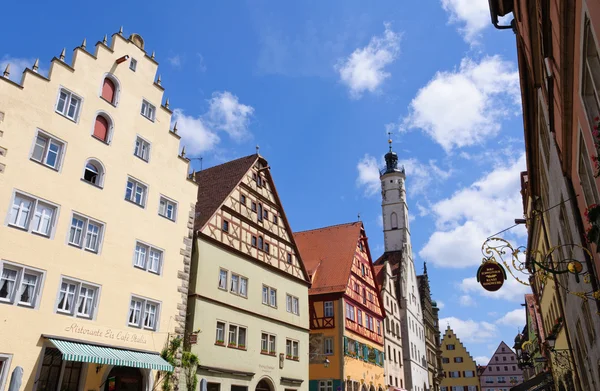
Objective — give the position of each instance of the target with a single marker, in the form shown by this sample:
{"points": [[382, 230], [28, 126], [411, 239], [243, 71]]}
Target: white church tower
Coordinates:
{"points": [[398, 253]]}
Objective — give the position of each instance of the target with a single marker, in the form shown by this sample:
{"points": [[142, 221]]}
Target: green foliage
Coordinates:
{"points": [[169, 354], [189, 363]]}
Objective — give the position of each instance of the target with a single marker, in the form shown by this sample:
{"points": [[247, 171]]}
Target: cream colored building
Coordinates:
{"points": [[248, 305], [97, 211]]}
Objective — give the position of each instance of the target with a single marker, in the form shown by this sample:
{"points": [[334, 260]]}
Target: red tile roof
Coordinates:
{"points": [[216, 183], [328, 254], [393, 257], [379, 275]]}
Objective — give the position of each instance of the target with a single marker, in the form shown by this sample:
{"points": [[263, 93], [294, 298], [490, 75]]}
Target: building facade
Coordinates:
{"points": [[459, 368], [97, 211], [398, 253], [557, 48], [533, 342], [346, 315], [432, 331], [502, 372], [394, 373], [248, 293]]}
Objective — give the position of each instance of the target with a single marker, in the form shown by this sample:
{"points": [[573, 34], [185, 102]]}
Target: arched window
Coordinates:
{"points": [[387, 325], [93, 173], [109, 90], [102, 128], [397, 329], [394, 220]]}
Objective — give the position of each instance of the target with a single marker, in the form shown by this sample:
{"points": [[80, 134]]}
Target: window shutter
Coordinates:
{"points": [[108, 90], [345, 345], [365, 353], [101, 128]]}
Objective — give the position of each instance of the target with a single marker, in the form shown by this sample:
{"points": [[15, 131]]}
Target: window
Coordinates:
{"points": [[237, 337], [142, 149], [469, 373], [269, 296], [260, 242], [5, 360], [489, 379], [472, 388], [86, 233], [143, 313], [362, 269], [68, 104], [102, 128], [503, 358], [267, 344], [32, 214], [243, 199], [275, 219], [325, 385], [222, 279], [328, 309], [136, 192], [220, 338], [458, 359], [19, 285], [109, 91], [93, 173], [167, 208], [267, 248], [148, 110], [77, 298], [133, 64], [501, 379], [513, 379], [260, 212], [454, 373], [445, 360], [239, 285], [291, 349], [369, 322], [53, 370], [147, 257], [289, 258], [266, 214], [449, 347], [328, 348], [359, 317], [292, 304], [47, 150], [253, 206], [253, 241], [350, 312]]}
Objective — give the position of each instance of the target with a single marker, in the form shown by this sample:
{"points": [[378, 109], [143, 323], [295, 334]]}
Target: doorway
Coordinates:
{"points": [[264, 385], [124, 379]]}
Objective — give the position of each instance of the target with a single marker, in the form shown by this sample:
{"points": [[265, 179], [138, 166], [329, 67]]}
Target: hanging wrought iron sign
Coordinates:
{"points": [[491, 275]]}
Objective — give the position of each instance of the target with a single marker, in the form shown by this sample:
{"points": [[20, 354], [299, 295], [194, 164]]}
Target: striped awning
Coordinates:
{"points": [[82, 352]]}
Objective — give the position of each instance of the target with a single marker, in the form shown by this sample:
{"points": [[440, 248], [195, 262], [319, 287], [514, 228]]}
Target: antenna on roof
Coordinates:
{"points": [[358, 216], [257, 148], [200, 164]]}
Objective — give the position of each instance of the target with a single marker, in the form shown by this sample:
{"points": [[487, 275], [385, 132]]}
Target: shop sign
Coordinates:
{"points": [[491, 276], [111, 334]]}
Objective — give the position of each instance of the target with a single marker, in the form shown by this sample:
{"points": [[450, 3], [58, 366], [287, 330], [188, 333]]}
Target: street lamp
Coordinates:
{"points": [[561, 357], [326, 362], [523, 358]]}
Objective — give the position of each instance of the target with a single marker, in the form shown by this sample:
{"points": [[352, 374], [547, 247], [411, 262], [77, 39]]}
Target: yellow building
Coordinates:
{"points": [[346, 313], [97, 210], [460, 370], [248, 301]]}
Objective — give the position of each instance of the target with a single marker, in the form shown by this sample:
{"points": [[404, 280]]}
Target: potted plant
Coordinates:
{"points": [[288, 356], [220, 342], [592, 234], [241, 346], [272, 352], [295, 358], [264, 351]]}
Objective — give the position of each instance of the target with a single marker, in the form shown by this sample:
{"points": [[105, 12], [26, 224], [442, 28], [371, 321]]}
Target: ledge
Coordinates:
{"points": [[225, 371], [11, 82], [159, 86], [166, 109], [291, 380], [57, 60]]}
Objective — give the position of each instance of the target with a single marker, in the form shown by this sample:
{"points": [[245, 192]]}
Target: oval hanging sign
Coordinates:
{"points": [[491, 276]]}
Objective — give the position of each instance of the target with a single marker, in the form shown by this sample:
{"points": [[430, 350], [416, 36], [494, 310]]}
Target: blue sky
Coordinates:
{"points": [[318, 84]]}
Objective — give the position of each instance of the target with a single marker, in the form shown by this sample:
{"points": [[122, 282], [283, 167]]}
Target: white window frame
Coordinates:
{"points": [[271, 296], [149, 112], [18, 284], [139, 140], [350, 312], [238, 287], [148, 249], [117, 84], [328, 350], [220, 281], [136, 183], [79, 284], [290, 345], [49, 139], [6, 360], [271, 342], [168, 201], [83, 244], [289, 304], [237, 343], [32, 212], [217, 332], [328, 306], [144, 301], [325, 385], [70, 94], [133, 64]]}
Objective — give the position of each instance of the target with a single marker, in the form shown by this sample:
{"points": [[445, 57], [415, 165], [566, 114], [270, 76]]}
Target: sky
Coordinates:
{"points": [[317, 85]]}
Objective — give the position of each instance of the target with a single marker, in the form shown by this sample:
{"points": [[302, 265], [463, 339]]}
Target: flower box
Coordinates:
{"points": [[220, 342]]}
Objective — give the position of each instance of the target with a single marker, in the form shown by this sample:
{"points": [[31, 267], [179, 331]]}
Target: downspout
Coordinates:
{"points": [[342, 326]]}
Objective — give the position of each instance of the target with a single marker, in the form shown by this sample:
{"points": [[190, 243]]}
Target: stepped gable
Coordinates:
{"points": [[448, 329]]}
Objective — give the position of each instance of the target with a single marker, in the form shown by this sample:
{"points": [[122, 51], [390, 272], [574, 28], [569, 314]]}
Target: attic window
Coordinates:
{"points": [[289, 258], [360, 245]]}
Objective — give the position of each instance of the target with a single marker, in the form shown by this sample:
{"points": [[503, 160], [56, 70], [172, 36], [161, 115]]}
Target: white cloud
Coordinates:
{"points": [[464, 107], [226, 113], [418, 175], [175, 61], [201, 63], [464, 220], [368, 175], [195, 134], [17, 66], [513, 318], [472, 15], [482, 360], [470, 330], [364, 69], [440, 304], [467, 301], [512, 290]]}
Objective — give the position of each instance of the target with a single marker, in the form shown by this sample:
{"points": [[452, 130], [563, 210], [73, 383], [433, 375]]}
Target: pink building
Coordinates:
{"points": [[502, 372]]}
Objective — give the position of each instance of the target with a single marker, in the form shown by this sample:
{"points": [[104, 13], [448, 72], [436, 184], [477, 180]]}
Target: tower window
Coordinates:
{"points": [[394, 221]]}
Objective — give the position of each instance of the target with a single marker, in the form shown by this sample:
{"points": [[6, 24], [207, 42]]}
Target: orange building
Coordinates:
{"points": [[346, 331]]}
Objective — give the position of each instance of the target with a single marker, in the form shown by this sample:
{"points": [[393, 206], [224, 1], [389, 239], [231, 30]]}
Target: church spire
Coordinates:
{"points": [[391, 160]]}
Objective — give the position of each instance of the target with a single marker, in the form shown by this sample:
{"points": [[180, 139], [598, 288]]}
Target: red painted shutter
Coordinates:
{"points": [[101, 128], [108, 90]]}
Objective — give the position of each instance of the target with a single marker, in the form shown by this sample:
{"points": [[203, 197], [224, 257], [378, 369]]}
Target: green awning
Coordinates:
{"points": [[82, 352]]}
